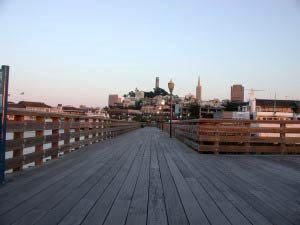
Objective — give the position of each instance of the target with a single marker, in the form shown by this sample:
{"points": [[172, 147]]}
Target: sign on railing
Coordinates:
{"points": [[4, 73]]}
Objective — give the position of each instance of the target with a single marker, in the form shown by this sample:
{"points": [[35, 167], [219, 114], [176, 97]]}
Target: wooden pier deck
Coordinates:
{"points": [[143, 177]]}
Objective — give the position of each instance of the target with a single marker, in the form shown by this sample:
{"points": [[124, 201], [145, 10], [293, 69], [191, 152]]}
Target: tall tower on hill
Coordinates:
{"points": [[157, 83]]}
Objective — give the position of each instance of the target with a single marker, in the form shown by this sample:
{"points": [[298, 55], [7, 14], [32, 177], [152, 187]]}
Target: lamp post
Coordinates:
{"points": [[171, 86], [4, 74]]}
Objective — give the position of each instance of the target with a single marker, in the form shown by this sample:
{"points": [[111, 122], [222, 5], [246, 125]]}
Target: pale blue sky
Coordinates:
{"points": [[77, 52]]}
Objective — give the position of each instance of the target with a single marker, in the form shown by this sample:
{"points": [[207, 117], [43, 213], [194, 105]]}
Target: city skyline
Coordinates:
{"points": [[21, 96], [56, 56]]}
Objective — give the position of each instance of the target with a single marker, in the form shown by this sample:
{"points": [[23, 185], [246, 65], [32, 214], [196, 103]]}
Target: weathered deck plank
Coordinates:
{"points": [[145, 178], [156, 205]]}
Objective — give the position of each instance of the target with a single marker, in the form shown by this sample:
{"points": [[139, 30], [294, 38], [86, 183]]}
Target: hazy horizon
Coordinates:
{"points": [[79, 52]]}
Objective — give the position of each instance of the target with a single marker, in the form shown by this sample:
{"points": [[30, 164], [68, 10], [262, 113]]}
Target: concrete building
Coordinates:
{"points": [[31, 106], [113, 100], [123, 114], [199, 91], [157, 83], [139, 95], [129, 102], [275, 105], [190, 99], [237, 93], [73, 110]]}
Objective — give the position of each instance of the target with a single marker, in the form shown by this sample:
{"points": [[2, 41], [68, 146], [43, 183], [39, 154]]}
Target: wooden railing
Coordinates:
{"points": [[239, 136], [35, 137]]}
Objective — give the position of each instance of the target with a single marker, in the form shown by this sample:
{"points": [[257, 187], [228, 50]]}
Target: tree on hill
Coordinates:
{"points": [[156, 92]]}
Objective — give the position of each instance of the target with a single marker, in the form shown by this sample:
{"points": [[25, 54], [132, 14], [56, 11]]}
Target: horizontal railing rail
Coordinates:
{"points": [[36, 137], [239, 136]]}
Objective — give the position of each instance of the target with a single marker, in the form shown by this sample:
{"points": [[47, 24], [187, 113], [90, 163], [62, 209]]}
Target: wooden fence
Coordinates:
{"points": [[239, 136], [34, 137]]}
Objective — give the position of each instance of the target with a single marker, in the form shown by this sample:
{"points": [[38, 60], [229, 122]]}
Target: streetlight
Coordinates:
{"points": [[171, 86]]}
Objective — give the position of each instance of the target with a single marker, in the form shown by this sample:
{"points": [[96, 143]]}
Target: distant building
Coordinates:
{"points": [[31, 106], [159, 109], [158, 100], [121, 114], [237, 93], [273, 105], [157, 83], [73, 110], [113, 100], [198, 91], [148, 109], [267, 109], [129, 102], [139, 95], [189, 98]]}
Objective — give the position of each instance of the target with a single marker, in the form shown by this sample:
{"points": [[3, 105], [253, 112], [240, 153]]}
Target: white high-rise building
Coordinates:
{"points": [[199, 91]]}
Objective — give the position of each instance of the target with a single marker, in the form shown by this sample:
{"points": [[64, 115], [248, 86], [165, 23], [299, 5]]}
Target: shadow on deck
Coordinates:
{"points": [[144, 177]]}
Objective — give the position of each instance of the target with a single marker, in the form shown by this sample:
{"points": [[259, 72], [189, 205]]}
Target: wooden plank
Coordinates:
{"points": [[243, 191], [49, 177], [100, 210], [168, 184], [76, 199], [119, 210], [98, 184], [174, 208], [33, 178], [254, 216], [137, 214], [277, 193], [211, 207], [60, 189], [227, 208], [193, 211], [207, 204], [156, 205], [61, 196]]}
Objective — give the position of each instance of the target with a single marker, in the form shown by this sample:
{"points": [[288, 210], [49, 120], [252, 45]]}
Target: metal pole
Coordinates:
{"points": [[171, 114], [4, 73]]}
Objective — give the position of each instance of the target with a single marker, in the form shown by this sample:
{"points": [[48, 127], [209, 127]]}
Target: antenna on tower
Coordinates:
{"points": [[252, 93], [252, 98], [274, 109]]}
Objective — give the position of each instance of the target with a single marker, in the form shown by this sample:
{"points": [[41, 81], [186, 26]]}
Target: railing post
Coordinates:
{"points": [[18, 153], [199, 135], [110, 126], [77, 132], [39, 149], [104, 132], [55, 142], [107, 126], [102, 129], [248, 140], [94, 129], [217, 139], [282, 137], [67, 121], [174, 130], [86, 131]]}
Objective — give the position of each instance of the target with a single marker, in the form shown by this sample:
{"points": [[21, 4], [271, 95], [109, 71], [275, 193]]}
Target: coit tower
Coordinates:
{"points": [[157, 83]]}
